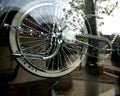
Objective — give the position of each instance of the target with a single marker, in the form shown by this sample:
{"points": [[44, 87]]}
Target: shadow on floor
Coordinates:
{"points": [[39, 88]]}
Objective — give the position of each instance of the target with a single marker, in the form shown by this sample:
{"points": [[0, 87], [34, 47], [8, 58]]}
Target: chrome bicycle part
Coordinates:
{"points": [[44, 41]]}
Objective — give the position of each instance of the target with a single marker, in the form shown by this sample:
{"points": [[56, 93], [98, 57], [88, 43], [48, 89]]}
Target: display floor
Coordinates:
{"points": [[74, 84]]}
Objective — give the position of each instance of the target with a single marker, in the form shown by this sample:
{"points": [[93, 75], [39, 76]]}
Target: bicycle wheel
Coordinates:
{"points": [[43, 40]]}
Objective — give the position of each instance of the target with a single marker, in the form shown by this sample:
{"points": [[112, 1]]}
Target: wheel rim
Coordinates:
{"points": [[42, 41]]}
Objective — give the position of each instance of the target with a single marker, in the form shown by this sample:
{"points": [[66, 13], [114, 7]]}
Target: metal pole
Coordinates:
{"points": [[91, 64]]}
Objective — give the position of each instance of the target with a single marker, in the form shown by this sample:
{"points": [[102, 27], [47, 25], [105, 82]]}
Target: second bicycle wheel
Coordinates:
{"points": [[44, 40]]}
